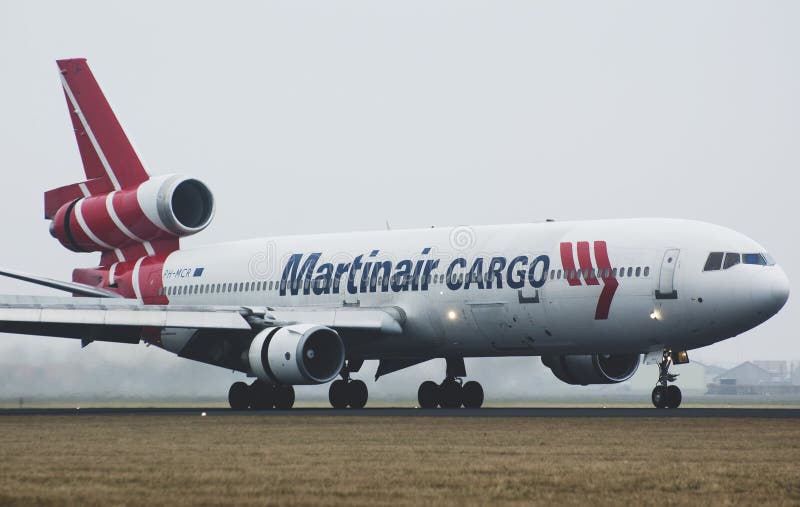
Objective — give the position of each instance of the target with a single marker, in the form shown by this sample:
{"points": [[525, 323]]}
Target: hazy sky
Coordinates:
{"points": [[335, 116]]}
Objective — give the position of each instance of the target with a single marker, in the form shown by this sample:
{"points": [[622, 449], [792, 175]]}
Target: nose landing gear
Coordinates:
{"points": [[664, 395]]}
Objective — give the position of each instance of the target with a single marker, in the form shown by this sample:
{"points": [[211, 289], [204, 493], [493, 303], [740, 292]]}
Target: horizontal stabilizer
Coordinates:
{"points": [[76, 288]]}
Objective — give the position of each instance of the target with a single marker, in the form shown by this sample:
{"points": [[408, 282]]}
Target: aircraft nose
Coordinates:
{"points": [[771, 291], [780, 289]]}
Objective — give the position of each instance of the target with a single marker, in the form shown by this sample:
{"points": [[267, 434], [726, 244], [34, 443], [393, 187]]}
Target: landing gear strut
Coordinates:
{"points": [[666, 396], [348, 392], [453, 392], [260, 395]]}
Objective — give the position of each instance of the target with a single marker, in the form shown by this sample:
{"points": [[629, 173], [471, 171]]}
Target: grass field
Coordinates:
{"points": [[251, 460]]}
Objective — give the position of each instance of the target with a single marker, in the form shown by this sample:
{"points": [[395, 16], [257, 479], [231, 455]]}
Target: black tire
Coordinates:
{"points": [[262, 395], [659, 397], [674, 397], [450, 395], [472, 394], [284, 397], [239, 396], [357, 394], [337, 394], [428, 394]]}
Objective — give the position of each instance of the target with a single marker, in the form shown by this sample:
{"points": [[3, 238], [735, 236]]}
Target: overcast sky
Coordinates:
{"points": [[328, 116]]}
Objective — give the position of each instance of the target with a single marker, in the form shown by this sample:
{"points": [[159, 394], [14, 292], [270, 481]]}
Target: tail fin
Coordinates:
{"points": [[109, 160]]}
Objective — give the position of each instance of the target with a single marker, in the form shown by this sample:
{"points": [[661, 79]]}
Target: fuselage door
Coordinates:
{"points": [[666, 278]]}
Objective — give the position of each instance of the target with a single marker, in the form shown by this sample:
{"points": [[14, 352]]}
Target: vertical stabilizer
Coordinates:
{"points": [[109, 160]]}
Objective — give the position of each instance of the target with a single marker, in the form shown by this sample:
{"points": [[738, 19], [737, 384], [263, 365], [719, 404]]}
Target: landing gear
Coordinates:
{"points": [[260, 395], [664, 395], [452, 392], [239, 396], [343, 394], [348, 392]]}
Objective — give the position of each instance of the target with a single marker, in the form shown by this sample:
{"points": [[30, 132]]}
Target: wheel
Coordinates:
{"points": [[428, 394], [262, 395], [450, 394], [659, 397], [337, 394], [357, 394], [674, 397], [472, 394], [284, 397], [239, 396]]}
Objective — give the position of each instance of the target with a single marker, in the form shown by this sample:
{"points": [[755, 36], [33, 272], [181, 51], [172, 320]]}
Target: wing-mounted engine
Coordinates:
{"points": [[161, 208], [296, 354], [593, 368]]}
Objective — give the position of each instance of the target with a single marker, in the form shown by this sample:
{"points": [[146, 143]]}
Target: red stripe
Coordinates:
{"points": [[586, 263], [568, 261], [151, 282], [610, 281], [96, 214]]}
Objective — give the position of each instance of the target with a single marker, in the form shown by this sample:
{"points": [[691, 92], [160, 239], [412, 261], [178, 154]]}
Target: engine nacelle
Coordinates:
{"points": [[593, 368], [164, 207], [297, 354]]}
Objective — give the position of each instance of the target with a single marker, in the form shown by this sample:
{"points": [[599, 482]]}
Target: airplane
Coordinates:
{"points": [[593, 299]]}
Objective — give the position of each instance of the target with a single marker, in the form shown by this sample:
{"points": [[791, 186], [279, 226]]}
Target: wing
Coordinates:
{"points": [[124, 320]]}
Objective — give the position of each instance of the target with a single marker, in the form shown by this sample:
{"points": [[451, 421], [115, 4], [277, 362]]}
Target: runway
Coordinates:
{"points": [[550, 412]]}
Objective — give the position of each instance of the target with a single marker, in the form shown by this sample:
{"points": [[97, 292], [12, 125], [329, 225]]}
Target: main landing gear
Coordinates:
{"points": [[668, 396], [347, 392], [260, 395], [453, 392]]}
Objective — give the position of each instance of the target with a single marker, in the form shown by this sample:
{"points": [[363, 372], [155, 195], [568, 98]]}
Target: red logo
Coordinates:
{"points": [[588, 276]]}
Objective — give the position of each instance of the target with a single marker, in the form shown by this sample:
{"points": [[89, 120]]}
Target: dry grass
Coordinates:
{"points": [[251, 460]]}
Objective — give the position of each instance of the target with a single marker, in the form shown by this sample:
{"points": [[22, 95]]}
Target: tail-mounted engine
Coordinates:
{"points": [[296, 354], [163, 207], [593, 368]]}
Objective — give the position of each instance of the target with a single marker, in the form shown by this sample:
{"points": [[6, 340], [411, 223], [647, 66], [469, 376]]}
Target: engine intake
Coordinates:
{"points": [[297, 354], [163, 207], [593, 368]]}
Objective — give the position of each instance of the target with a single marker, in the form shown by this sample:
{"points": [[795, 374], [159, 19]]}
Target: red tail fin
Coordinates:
{"points": [[109, 160]]}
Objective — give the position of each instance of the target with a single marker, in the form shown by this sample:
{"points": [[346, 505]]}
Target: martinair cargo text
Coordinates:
{"points": [[594, 299]]}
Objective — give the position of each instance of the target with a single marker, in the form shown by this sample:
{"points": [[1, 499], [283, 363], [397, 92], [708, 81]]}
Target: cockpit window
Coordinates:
{"points": [[757, 258], [714, 261], [731, 259]]}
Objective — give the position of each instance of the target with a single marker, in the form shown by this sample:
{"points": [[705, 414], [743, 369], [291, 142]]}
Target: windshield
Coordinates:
{"points": [[726, 260]]}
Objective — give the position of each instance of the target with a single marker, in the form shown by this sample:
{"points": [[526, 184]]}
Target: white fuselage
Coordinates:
{"points": [[502, 290]]}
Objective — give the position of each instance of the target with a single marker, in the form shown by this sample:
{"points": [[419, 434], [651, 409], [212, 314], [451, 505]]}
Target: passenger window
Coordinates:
{"points": [[731, 259], [614, 272], [714, 261], [638, 271], [552, 274], [647, 271], [270, 285], [630, 272]]}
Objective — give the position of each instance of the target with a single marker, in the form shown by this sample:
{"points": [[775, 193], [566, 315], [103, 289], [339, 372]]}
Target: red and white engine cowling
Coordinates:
{"points": [[296, 354], [593, 368], [164, 207]]}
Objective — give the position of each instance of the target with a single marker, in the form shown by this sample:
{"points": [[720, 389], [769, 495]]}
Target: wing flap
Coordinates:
{"points": [[388, 320]]}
